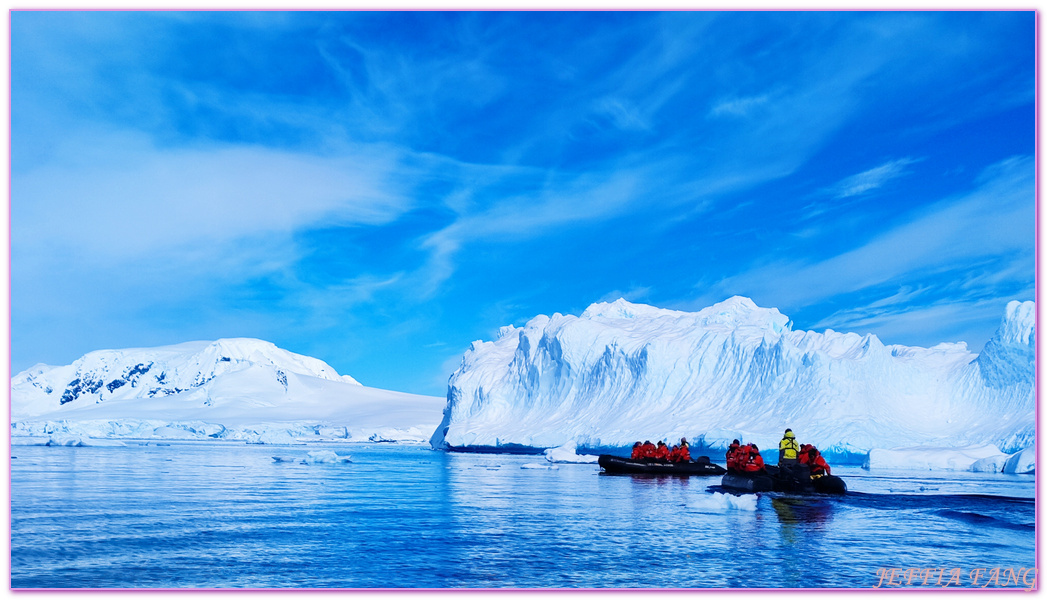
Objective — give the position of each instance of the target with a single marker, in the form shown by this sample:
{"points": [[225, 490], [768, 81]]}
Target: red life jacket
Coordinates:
{"points": [[732, 454], [679, 454], [754, 462], [683, 454], [647, 450], [637, 452], [819, 466], [662, 452]]}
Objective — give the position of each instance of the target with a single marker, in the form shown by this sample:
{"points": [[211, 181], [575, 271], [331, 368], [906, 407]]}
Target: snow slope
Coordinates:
{"points": [[228, 389], [623, 372]]}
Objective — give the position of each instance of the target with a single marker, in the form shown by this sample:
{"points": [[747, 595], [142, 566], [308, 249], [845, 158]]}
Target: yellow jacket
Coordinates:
{"points": [[788, 448]]}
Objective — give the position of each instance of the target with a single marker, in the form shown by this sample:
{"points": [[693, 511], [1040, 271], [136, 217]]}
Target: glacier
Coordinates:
{"points": [[238, 389], [622, 372]]}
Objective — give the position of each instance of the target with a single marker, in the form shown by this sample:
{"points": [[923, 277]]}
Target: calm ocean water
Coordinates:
{"points": [[222, 515]]}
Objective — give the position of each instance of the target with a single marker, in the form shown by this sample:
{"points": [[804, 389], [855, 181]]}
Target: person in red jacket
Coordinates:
{"points": [[753, 462], [637, 451], [647, 450], [732, 455], [803, 453], [817, 463], [681, 453], [662, 451]]}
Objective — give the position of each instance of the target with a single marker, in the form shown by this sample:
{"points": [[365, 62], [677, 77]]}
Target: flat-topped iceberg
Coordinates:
{"points": [[623, 372]]}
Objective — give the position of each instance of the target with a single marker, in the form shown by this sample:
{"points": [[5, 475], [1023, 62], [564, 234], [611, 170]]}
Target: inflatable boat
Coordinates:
{"points": [[700, 466], [795, 481]]}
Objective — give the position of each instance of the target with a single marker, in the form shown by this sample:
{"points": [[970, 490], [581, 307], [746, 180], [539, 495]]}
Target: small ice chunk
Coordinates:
{"points": [[325, 456], [717, 502], [539, 466], [65, 440], [568, 454]]}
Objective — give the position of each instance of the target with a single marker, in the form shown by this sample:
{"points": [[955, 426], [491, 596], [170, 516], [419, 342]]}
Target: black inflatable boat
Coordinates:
{"points": [[700, 466], [795, 481]]}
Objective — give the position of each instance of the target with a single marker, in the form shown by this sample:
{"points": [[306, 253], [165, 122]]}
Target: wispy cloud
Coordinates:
{"points": [[739, 107], [993, 220], [922, 324], [558, 205], [118, 195], [871, 179]]}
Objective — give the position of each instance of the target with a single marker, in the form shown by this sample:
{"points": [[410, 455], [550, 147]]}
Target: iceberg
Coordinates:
{"points": [[973, 458], [989, 464], [622, 372], [1021, 463], [230, 389], [568, 453], [325, 457]]}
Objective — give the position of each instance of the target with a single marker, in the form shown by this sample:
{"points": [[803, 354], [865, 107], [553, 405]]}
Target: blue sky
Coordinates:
{"points": [[380, 189]]}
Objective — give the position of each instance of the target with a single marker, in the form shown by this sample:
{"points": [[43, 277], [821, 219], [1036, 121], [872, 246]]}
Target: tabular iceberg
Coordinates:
{"points": [[233, 389], [622, 372]]}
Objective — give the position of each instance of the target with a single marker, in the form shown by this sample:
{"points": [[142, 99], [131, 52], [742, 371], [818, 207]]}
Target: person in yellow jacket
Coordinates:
{"points": [[788, 450]]}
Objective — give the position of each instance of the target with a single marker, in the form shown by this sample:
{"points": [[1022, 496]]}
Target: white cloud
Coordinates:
{"points": [[738, 107], [560, 204], [950, 320], [993, 220], [117, 196], [871, 179]]}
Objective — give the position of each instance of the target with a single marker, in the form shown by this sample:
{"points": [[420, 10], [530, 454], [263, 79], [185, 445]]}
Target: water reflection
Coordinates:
{"points": [[810, 513]]}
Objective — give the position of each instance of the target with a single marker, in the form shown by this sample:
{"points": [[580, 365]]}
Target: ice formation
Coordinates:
{"points": [[568, 453], [934, 459], [717, 502], [623, 372], [231, 389], [1021, 463], [324, 456]]}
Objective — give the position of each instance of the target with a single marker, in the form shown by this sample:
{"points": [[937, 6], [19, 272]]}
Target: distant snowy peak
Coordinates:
{"points": [[226, 355], [162, 371]]}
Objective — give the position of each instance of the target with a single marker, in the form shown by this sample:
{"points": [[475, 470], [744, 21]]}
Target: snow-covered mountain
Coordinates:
{"points": [[623, 372], [229, 389]]}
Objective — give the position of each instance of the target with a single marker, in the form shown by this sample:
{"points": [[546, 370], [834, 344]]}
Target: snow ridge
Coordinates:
{"points": [[243, 389], [139, 373], [622, 372]]}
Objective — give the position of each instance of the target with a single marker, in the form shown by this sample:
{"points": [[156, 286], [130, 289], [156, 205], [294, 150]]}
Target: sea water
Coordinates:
{"points": [[222, 515]]}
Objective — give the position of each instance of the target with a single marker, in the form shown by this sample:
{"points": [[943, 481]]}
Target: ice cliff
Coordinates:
{"points": [[244, 389], [623, 372]]}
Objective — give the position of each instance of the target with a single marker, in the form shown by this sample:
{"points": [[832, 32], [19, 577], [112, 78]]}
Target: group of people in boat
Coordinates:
{"points": [[741, 459], [747, 459], [661, 452]]}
